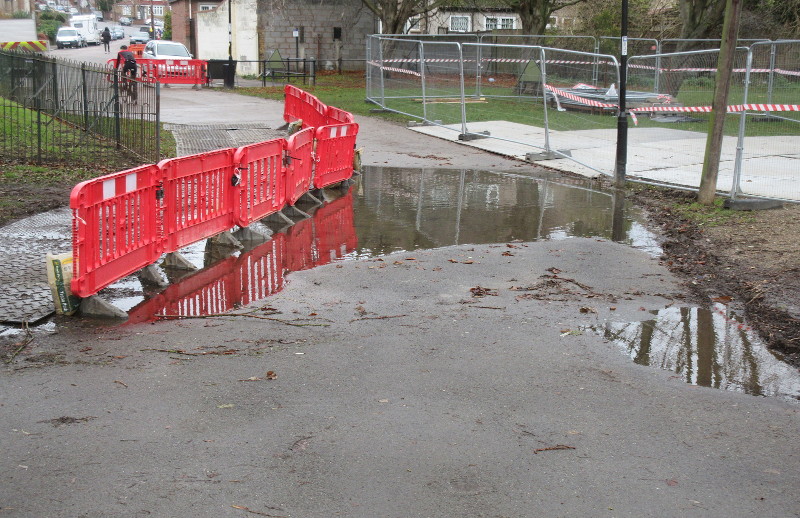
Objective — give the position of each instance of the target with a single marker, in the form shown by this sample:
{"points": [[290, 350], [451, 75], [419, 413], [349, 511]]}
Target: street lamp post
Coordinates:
{"points": [[229, 74], [622, 121]]}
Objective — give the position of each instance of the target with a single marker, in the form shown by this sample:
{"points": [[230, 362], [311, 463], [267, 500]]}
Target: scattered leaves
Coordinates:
{"points": [[480, 291]]}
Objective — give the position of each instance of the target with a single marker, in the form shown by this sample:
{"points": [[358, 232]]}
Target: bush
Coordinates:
{"points": [[49, 28], [53, 15], [21, 14]]}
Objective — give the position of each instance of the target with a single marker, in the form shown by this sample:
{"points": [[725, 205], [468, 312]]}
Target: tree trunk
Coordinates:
{"points": [[730, 28]]}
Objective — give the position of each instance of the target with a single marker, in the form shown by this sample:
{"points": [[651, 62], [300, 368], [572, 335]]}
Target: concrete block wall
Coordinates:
{"points": [[318, 20]]}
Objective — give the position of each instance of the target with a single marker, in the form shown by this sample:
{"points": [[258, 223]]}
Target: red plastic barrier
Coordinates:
{"points": [[314, 112], [337, 116], [124, 221], [169, 71], [261, 189], [173, 71], [198, 197], [334, 151], [114, 227], [292, 103], [299, 164], [298, 104]]}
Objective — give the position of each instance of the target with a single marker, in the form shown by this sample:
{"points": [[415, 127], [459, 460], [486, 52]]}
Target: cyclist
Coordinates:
{"points": [[127, 59]]}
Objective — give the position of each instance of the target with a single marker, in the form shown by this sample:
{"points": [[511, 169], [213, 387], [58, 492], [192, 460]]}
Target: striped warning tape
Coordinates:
{"points": [[736, 70], [394, 69], [33, 46], [570, 62]]}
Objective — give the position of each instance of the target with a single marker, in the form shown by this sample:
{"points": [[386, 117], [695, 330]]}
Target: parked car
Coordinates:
{"points": [[141, 36], [69, 37], [99, 15], [117, 33], [74, 11], [155, 23], [165, 49], [125, 21]]}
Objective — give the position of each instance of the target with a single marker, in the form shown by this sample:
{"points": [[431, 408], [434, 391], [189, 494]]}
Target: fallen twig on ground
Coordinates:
{"points": [[231, 315], [556, 447], [22, 345]]}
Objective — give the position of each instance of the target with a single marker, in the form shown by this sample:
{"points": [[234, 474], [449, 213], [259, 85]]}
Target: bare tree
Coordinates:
{"points": [[394, 14], [700, 19], [535, 14]]}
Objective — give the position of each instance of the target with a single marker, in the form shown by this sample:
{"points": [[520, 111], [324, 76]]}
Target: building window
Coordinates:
{"points": [[499, 23], [158, 10], [506, 23], [206, 7], [126, 10], [412, 26], [459, 24]]}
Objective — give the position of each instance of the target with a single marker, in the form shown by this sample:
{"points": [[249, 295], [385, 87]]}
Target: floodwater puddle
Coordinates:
{"points": [[386, 210], [710, 347]]}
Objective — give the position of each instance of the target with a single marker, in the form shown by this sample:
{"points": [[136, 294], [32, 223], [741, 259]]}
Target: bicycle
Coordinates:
{"points": [[128, 86]]}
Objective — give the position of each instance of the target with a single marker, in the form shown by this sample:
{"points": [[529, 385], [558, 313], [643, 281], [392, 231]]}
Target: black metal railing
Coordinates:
{"points": [[57, 111]]}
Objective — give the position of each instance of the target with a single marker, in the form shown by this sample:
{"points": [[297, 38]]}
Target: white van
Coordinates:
{"points": [[87, 25]]}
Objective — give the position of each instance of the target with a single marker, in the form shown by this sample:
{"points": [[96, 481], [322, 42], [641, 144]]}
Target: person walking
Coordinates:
{"points": [[106, 37]]}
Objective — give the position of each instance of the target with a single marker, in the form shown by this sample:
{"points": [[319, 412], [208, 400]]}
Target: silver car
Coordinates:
{"points": [[165, 49]]}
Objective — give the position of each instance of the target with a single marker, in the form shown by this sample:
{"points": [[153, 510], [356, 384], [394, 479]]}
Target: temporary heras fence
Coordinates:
{"points": [[560, 107], [59, 111], [124, 221]]}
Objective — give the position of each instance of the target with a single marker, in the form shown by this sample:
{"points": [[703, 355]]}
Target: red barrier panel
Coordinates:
{"points": [[314, 112], [299, 164], [173, 71], [198, 197], [334, 151], [169, 71], [261, 189], [334, 230], [114, 227], [337, 116], [292, 103]]}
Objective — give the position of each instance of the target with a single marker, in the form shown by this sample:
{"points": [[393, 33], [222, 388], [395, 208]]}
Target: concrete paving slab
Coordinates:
{"points": [[771, 165]]}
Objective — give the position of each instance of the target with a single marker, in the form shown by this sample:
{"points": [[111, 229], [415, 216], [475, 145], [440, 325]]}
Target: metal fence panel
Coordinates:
{"points": [[769, 126], [668, 142], [60, 111]]}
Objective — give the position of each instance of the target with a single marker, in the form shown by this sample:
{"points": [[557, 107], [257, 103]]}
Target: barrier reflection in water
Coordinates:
{"points": [[707, 347], [233, 281]]}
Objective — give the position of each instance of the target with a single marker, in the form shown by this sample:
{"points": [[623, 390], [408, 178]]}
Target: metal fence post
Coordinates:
{"points": [[737, 165], [117, 122], [85, 92], [772, 52], [55, 85], [543, 68], [422, 78], [461, 84], [38, 102], [158, 121], [380, 64]]}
